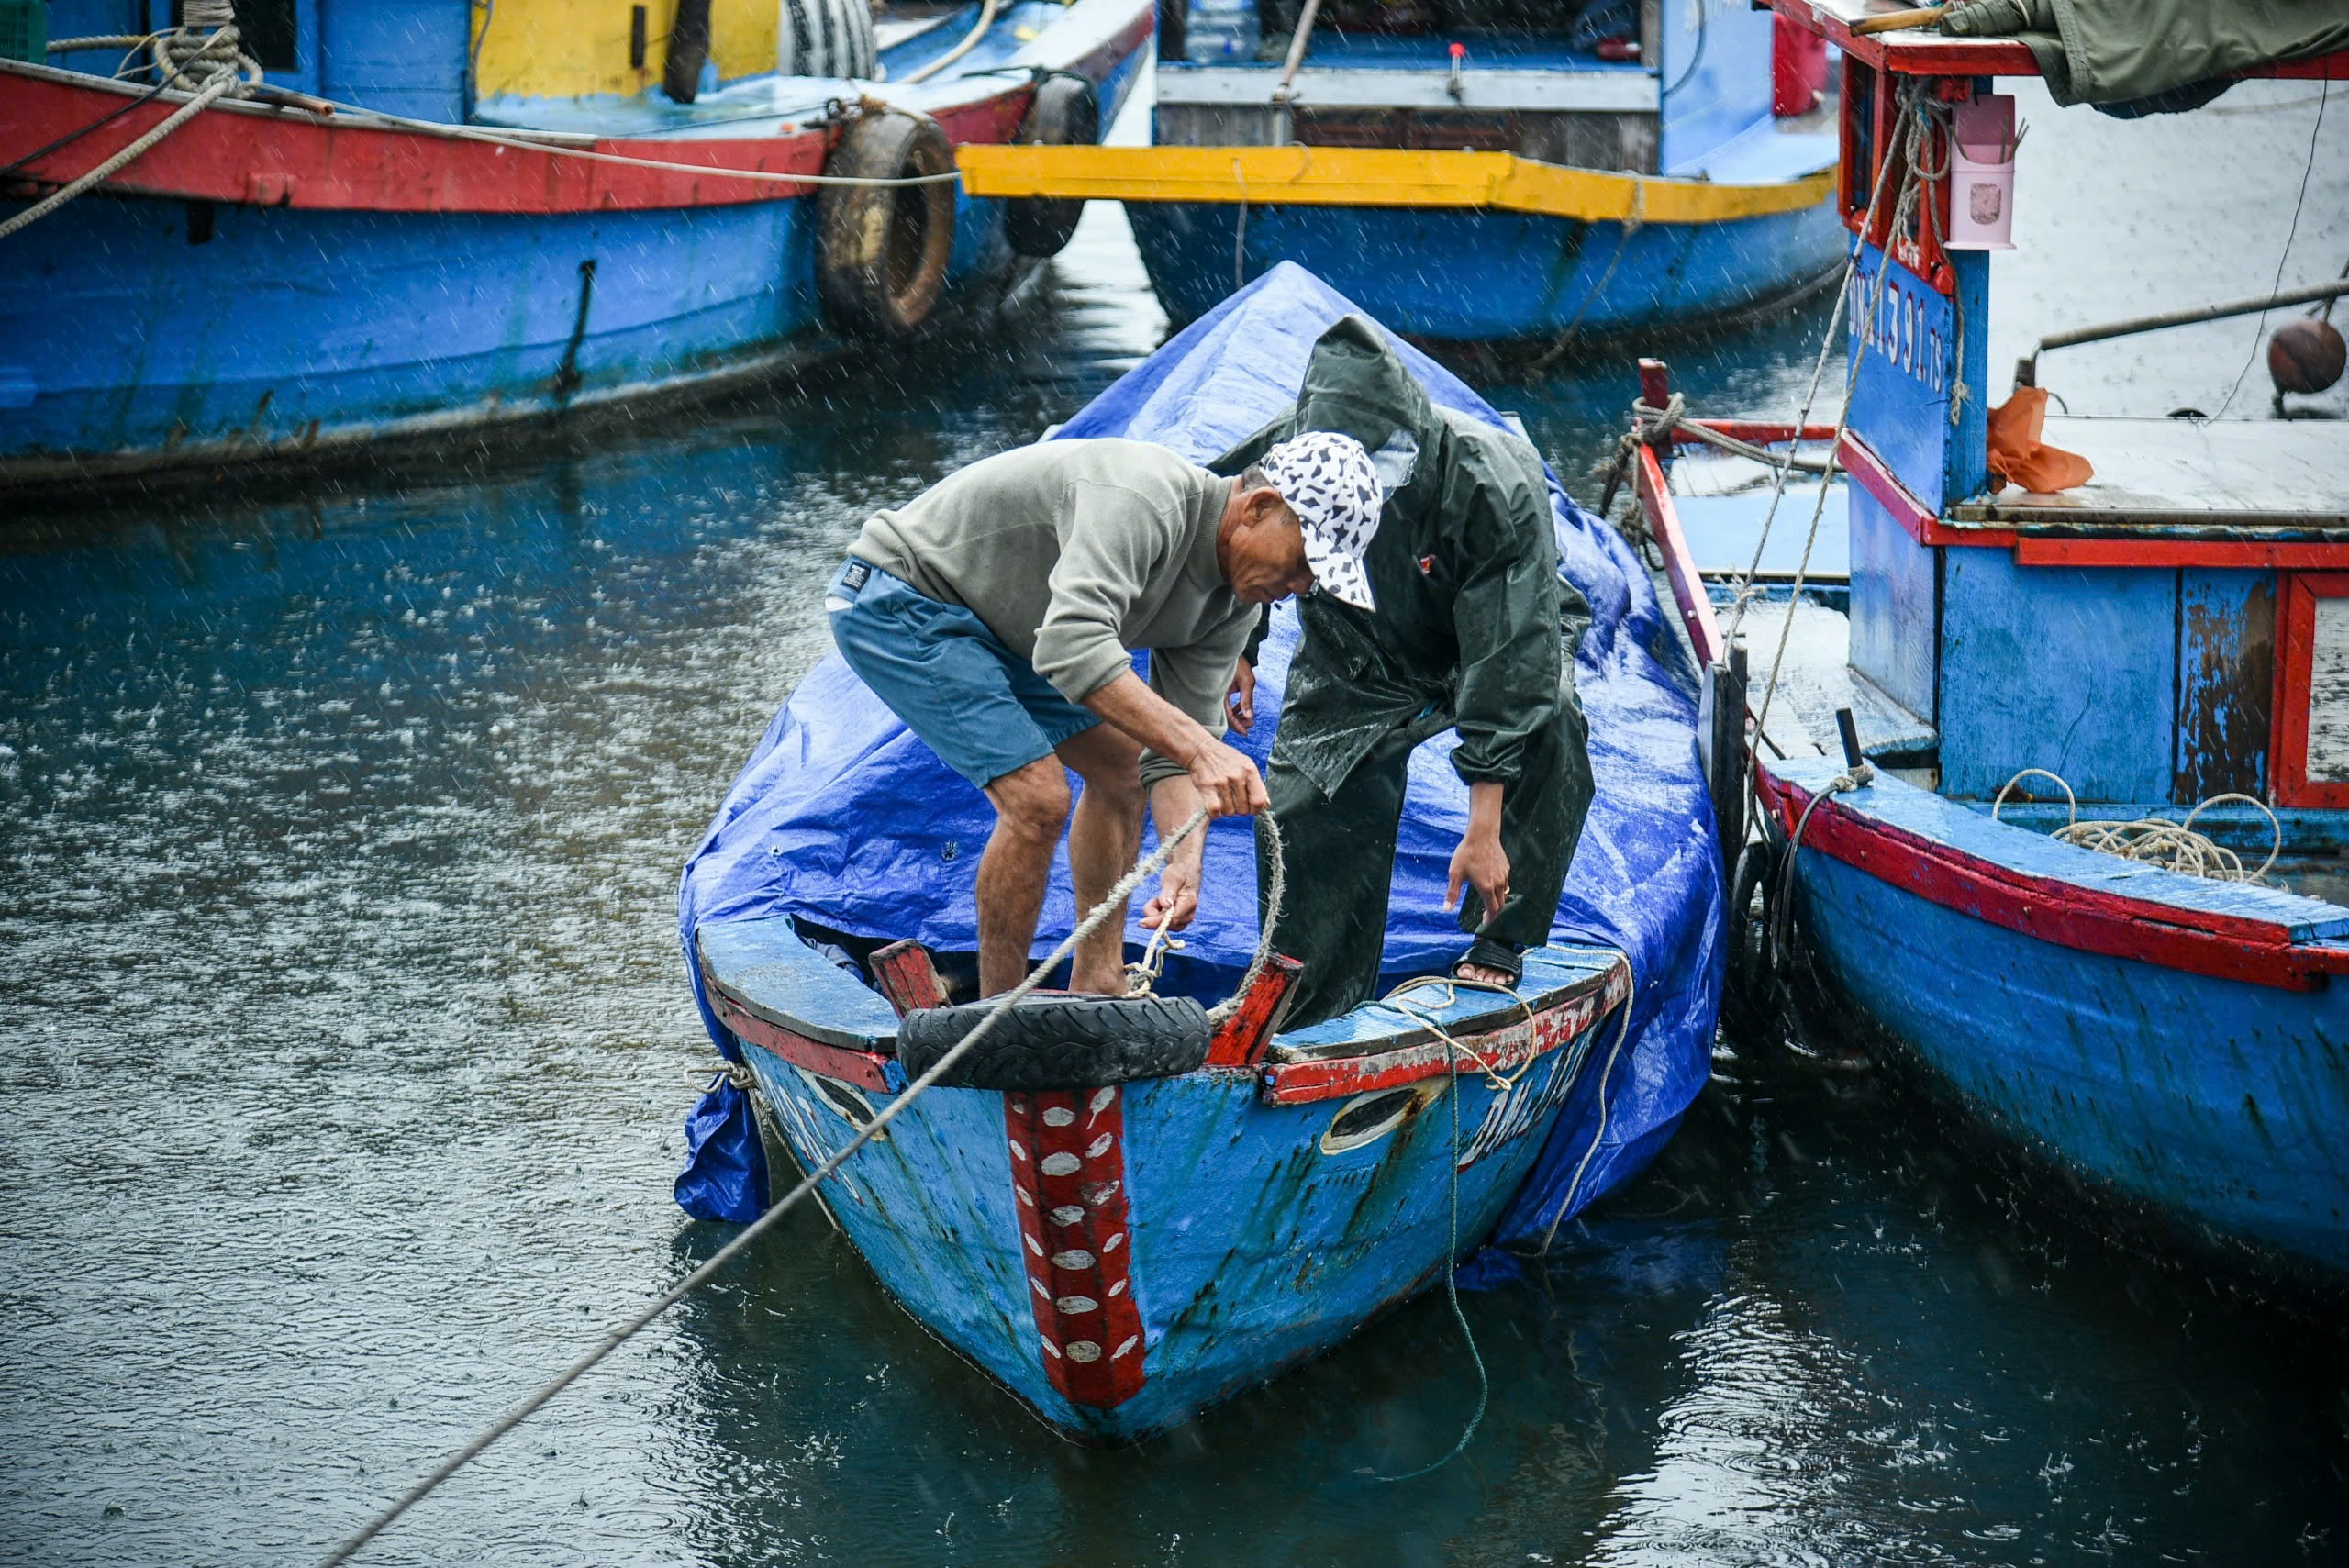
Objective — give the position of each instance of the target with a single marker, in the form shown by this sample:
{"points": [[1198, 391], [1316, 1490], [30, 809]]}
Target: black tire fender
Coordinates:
{"points": [[1066, 112], [882, 250], [825, 37], [1059, 1043]]}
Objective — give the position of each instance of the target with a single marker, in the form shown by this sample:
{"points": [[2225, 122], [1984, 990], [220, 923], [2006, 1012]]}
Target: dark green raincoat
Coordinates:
{"points": [[1473, 631]]}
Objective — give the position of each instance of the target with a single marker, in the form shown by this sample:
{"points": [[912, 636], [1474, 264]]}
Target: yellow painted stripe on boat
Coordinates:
{"points": [[1369, 176], [565, 49]]}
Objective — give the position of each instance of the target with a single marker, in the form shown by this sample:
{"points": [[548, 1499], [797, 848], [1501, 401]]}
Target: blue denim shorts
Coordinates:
{"points": [[979, 706]]}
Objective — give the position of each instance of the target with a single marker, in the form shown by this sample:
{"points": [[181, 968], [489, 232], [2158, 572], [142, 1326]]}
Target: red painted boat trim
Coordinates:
{"points": [[1749, 430], [1872, 474], [865, 1068], [2154, 551], [1240, 1042], [2225, 947], [1342, 1077], [904, 973], [2295, 676], [1688, 586], [1968, 57], [291, 158], [1068, 1184]]}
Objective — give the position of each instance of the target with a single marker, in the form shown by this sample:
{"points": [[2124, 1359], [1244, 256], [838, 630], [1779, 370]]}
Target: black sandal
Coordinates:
{"points": [[1485, 953]]}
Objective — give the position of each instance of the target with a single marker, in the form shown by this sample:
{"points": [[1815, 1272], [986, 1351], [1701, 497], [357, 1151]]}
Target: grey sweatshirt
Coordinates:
{"points": [[1074, 552]]}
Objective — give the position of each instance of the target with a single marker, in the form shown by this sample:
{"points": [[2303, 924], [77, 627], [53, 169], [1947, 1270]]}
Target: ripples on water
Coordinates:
{"points": [[345, 1045]]}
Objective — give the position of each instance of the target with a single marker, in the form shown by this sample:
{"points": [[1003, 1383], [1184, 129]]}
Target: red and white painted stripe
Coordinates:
{"points": [[1068, 1177]]}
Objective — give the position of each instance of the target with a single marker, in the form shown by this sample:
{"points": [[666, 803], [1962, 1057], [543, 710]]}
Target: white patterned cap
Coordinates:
{"points": [[1330, 483]]}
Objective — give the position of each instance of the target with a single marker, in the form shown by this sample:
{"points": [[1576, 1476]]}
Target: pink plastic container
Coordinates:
{"points": [[1982, 174]]}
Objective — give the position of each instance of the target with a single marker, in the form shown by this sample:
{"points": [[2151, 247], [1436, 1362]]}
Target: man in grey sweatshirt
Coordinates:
{"points": [[997, 614]]}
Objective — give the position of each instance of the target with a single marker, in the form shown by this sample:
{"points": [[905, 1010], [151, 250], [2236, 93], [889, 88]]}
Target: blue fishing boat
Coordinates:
{"points": [[1122, 1255], [1469, 171], [344, 224], [2052, 783]]}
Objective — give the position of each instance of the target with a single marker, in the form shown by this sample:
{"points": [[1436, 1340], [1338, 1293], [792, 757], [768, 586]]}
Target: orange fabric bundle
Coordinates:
{"points": [[2017, 454]]}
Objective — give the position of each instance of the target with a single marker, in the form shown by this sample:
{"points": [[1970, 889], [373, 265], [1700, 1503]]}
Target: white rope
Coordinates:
{"points": [[2157, 840], [969, 40], [1452, 985], [760, 176], [356, 114], [1605, 1076], [613, 1340]]}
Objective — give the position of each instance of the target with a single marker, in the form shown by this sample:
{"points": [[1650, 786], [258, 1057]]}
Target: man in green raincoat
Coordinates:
{"points": [[1473, 631]]}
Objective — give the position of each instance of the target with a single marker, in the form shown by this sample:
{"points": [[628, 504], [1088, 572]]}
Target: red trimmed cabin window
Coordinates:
{"points": [[2312, 690]]}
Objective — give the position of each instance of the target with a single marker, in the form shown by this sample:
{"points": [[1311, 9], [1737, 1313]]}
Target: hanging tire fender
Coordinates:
{"points": [[882, 250], [1059, 1041], [1066, 112]]}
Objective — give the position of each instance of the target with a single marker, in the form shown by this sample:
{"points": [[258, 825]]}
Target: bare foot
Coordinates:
{"points": [[1482, 973]]}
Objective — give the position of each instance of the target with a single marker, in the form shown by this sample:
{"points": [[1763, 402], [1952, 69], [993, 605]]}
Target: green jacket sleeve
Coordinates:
{"points": [[1505, 613]]}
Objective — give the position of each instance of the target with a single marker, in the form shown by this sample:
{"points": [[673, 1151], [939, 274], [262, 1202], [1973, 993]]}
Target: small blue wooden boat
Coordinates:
{"points": [[503, 215], [1121, 1257], [1481, 171], [2165, 633]]}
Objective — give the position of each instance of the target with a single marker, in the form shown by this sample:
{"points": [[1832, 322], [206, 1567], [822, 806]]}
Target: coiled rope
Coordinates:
{"points": [[200, 56], [628, 1330], [2156, 840]]}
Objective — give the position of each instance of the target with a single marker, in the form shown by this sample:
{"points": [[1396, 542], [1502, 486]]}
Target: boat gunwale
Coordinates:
{"points": [[2139, 924], [868, 1057]]}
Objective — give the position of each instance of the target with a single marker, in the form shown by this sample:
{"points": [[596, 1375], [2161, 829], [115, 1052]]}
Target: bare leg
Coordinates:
{"points": [[1102, 840], [1031, 806]]}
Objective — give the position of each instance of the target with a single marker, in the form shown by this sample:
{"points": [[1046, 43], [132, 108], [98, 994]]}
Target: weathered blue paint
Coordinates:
{"points": [[2216, 1103], [1896, 601], [2061, 668], [2226, 683], [1298, 1248], [1534, 276], [292, 324]]}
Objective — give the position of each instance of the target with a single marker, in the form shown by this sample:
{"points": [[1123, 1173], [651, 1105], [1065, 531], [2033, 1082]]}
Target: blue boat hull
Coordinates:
{"points": [[1299, 1248], [2212, 1106], [139, 335], [1489, 276]]}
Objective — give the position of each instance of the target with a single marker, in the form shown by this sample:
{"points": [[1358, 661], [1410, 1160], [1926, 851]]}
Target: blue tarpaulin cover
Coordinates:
{"points": [[843, 816]]}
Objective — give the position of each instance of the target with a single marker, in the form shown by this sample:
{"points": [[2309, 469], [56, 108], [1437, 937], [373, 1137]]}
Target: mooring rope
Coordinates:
{"points": [[618, 1337], [1451, 1287], [1918, 123], [1605, 1074], [212, 67]]}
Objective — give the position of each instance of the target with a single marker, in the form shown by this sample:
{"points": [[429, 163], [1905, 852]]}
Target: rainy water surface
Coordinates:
{"points": [[345, 1045]]}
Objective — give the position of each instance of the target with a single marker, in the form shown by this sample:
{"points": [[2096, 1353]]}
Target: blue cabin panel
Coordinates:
{"points": [[1918, 355], [404, 57], [1893, 603], [2059, 668], [2226, 683]]}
